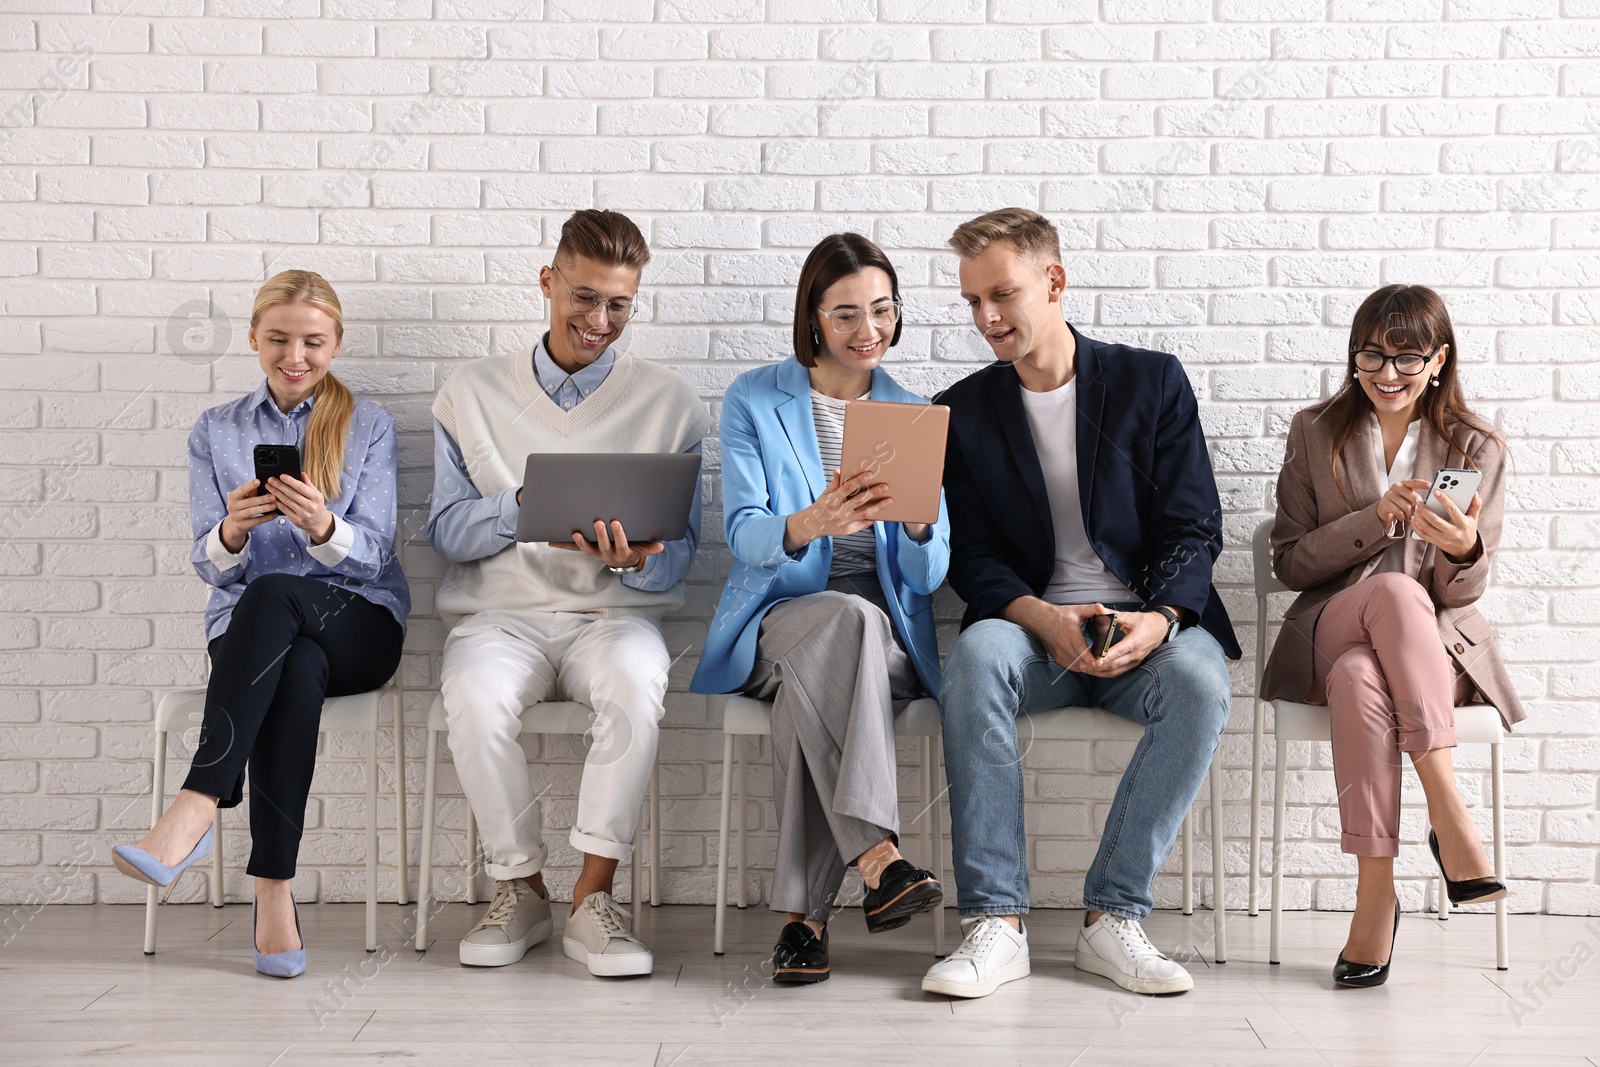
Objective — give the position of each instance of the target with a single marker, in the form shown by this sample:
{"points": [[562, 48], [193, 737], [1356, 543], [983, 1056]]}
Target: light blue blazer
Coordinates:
{"points": [[770, 469]]}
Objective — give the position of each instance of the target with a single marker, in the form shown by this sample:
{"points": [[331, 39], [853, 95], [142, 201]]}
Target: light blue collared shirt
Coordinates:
{"points": [[463, 525], [358, 557]]}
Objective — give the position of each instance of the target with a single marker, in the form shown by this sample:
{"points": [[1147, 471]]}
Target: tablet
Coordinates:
{"points": [[648, 492], [904, 444]]}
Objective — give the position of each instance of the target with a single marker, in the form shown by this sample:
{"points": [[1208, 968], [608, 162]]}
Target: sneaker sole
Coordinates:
{"points": [[603, 966], [1009, 973], [1106, 969], [507, 954], [916, 899], [799, 975]]}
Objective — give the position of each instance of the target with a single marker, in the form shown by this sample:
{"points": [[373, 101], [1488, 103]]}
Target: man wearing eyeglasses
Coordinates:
{"points": [[1084, 522], [577, 621]]}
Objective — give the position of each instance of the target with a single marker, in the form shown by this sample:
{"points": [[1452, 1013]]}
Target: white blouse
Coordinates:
{"points": [[1405, 460]]}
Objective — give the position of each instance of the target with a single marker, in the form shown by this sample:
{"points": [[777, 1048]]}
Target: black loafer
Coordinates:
{"points": [[800, 956], [903, 891]]}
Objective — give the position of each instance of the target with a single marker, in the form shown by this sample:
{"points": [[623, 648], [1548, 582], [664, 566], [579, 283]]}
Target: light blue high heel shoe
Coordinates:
{"points": [[138, 864], [279, 964]]}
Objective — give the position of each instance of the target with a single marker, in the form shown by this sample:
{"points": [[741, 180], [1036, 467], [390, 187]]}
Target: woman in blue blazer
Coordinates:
{"points": [[827, 612]]}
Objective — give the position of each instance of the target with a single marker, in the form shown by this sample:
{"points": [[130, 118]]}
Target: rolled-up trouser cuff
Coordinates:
{"points": [[1119, 910], [1427, 739], [995, 909], [599, 846], [500, 872], [1355, 845]]}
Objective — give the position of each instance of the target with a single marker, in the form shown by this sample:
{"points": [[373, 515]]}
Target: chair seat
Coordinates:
{"points": [[181, 709], [551, 717], [1476, 724], [1078, 724], [747, 716]]}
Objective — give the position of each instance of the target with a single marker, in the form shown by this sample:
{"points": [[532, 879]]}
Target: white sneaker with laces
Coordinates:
{"points": [[991, 954], [597, 936], [1118, 949], [517, 919]]}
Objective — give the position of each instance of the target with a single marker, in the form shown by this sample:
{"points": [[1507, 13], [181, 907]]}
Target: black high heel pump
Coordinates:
{"points": [[1348, 975], [1470, 891]]}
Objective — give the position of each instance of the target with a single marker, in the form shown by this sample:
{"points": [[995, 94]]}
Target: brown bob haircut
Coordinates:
{"points": [[1407, 318], [608, 237], [836, 256]]}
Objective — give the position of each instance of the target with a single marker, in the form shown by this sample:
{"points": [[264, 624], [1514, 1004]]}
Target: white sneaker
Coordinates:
{"points": [[991, 954], [598, 937], [1118, 949], [517, 919]]}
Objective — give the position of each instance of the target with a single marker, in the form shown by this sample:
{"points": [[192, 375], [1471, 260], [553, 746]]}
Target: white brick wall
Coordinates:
{"points": [[1230, 177]]}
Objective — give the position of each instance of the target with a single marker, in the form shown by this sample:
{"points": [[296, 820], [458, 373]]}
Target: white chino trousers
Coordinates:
{"points": [[495, 664]]}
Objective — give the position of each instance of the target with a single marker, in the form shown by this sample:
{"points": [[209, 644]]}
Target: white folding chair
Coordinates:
{"points": [[359, 713], [1097, 724], [550, 717], [744, 716], [1476, 724]]}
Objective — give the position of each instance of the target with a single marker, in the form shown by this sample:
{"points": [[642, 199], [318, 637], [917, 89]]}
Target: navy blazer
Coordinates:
{"points": [[1149, 498]]}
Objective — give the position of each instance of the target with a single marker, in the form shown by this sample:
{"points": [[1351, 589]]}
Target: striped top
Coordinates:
{"points": [[856, 554]]}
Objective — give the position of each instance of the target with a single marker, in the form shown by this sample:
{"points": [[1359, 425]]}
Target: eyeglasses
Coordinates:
{"points": [[1407, 363], [848, 320], [584, 303]]}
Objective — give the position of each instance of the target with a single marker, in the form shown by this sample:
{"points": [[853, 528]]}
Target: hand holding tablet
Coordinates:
{"points": [[900, 446]]}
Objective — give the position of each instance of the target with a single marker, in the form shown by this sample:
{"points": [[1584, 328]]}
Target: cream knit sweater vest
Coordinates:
{"points": [[497, 414]]}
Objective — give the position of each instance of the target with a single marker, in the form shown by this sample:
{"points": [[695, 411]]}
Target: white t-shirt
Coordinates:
{"points": [[1080, 577], [1405, 460], [856, 554]]}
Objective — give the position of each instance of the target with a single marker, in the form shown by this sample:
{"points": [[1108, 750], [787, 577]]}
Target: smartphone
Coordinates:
{"points": [[1457, 484], [275, 460], [1100, 632]]}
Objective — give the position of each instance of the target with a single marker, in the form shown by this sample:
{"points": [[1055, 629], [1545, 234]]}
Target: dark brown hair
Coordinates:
{"points": [[1403, 317], [608, 237], [836, 256], [1029, 232]]}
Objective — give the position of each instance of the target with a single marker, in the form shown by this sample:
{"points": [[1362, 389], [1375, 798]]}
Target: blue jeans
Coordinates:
{"points": [[996, 674]]}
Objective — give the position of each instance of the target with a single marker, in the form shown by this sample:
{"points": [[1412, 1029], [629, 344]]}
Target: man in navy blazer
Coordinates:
{"points": [[1084, 524]]}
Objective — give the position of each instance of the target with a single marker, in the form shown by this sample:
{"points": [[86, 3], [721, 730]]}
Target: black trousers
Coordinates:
{"points": [[291, 642]]}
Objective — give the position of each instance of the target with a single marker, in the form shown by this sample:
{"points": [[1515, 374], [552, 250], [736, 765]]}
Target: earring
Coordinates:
{"points": [[816, 339], [1434, 381], [1355, 375]]}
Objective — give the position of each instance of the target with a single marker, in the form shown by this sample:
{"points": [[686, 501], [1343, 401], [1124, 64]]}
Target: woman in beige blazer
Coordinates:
{"points": [[1384, 631]]}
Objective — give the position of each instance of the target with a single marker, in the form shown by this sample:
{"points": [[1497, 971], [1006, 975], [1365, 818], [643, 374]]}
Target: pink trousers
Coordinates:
{"points": [[1390, 687]]}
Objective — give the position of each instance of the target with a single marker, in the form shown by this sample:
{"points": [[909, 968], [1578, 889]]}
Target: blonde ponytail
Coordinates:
{"points": [[323, 462]]}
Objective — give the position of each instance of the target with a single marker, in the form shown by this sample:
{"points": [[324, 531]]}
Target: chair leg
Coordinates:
{"points": [[1188, 861], [472, 856], [925, 817], [1257, 740], [402, 823], [425, 861], [1502, 933], [937, 750], [1278, 777], [1219, 911], [216, 859], [1443, 898], [741, 894], [722, 846], [655, 836], [638, 886], [158, 793], [372, 839]]}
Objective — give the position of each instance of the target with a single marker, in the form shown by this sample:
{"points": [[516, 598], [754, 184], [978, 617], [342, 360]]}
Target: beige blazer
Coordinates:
{"points": [[1323, 543]]}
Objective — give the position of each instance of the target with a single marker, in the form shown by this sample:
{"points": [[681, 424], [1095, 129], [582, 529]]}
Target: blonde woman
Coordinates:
{"points": [[308, 599]]}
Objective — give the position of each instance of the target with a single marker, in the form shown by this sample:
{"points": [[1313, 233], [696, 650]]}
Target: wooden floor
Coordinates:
{"points": [[74, 987]]}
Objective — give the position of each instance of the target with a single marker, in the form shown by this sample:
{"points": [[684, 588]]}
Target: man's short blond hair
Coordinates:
{"points": [[1033, 235]]}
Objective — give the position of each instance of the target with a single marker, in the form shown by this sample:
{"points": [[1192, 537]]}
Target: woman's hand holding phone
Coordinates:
{"points": [[246, 511], [304, 505], [1456, 535]]}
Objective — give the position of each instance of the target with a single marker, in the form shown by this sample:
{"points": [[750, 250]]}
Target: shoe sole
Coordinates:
{"points": [[603, 966], [1106, 969], [507, 954], [133, 872], [1009, 973], [799, 975], [913, 900], [1487, 898]]}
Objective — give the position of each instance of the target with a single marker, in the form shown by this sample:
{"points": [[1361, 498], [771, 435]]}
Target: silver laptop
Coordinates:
{"points": [[650, 493]]}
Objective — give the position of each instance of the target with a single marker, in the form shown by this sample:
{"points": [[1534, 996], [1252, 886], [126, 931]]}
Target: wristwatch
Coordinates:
{"points": [[635, 569], [1174, 623]]}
